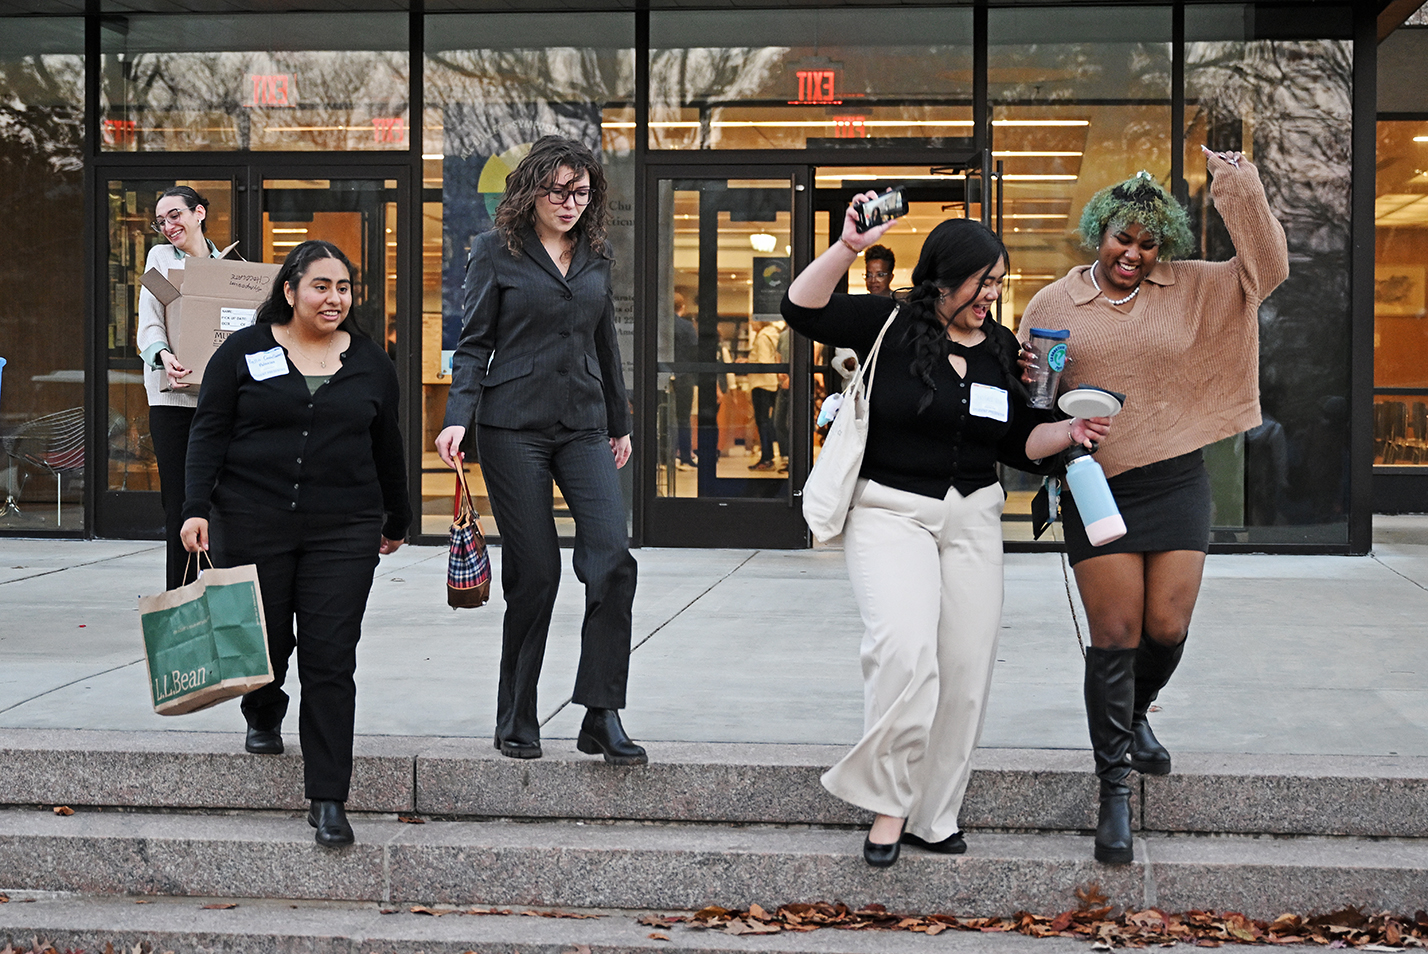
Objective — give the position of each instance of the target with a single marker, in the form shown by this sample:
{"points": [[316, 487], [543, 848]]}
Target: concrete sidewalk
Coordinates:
{"points": [[1291, 655]]}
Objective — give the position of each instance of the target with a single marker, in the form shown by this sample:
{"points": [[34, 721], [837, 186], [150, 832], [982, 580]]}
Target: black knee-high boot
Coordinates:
{"points": [[1110, 699], [1154, 665]]}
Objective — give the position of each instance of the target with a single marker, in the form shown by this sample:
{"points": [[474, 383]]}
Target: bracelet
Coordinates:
{"points": [[1069, 435], [848, 244]]}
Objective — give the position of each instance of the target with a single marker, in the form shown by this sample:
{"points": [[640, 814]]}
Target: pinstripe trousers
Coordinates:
{"points": [[927, 577], [518, 466]]}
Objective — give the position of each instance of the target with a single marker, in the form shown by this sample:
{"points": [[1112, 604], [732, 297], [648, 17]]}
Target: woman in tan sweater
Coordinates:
{"points": [[1181, 340]]}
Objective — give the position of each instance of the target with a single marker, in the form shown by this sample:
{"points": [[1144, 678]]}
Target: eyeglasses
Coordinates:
{"points": [[879, 274], [559, 196], [170, 218]]}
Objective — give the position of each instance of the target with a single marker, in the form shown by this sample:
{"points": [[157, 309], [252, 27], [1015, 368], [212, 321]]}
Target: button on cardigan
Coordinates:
{"points": [[338, 450]]}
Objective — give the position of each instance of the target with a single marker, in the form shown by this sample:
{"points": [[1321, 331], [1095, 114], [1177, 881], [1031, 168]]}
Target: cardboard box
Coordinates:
{"points": [[205, 302]]}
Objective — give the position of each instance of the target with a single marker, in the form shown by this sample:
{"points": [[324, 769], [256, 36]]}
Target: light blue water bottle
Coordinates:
{"points": [[1094, 500]]}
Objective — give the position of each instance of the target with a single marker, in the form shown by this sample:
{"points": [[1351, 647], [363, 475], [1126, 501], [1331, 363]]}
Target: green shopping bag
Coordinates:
{"points": [[207, 641]]}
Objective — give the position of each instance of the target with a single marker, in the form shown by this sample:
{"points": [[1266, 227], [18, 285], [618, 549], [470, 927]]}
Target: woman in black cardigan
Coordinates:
{"points": [[296, 460], [537, 372], [923, 539]]}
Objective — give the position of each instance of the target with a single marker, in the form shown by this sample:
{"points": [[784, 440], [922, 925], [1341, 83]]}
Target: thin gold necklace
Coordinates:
{"points": [[292, 343]]}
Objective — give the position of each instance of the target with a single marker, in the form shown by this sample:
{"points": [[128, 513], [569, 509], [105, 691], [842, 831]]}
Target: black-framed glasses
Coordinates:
{"points": [[559, 196]]}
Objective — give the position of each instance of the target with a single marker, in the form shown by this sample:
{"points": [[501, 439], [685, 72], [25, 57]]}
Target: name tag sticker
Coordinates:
{"points": [[273, 363], [989, 402], [236, 319]]}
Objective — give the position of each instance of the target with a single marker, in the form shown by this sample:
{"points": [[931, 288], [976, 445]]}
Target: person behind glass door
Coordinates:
{"points": [[296, 464], [763, 389], [537, 372], [1181, 339], [180, 216], [923, 539], [686, 349], [879, 263]]}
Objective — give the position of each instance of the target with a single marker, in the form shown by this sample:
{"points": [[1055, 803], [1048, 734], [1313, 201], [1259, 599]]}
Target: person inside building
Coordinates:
{"points": [[686, 351], [1181, 340], [923, 539], [879, 262], [180, 216], [763, 390], [296, 464], [537, 372]]}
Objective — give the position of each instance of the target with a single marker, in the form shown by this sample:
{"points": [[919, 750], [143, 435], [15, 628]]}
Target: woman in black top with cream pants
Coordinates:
{"points": [[923, 540], [296, 464]]}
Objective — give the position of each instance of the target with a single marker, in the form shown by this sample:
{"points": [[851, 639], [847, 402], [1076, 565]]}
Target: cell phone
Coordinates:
{"points": [[874, 212]]}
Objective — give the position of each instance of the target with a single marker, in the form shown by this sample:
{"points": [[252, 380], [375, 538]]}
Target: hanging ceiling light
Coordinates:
{"points": [[763, 241]]}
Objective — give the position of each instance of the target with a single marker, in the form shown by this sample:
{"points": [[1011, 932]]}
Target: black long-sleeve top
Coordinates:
{"points": [[946, 445], [273, 441]]}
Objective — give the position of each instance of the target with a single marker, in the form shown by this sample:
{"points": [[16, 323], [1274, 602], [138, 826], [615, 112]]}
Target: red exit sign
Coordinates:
{"points": [[818, 87], [389, 130], [271, 89]]}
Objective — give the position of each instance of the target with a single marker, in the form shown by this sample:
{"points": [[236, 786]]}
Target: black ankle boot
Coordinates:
{"points": [[330, 820], [263, 741], [602, 734], [1154, 665], [1110, 699]]}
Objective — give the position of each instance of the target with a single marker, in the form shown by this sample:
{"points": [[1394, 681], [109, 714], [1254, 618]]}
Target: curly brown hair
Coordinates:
{"points": [[533, 177]]}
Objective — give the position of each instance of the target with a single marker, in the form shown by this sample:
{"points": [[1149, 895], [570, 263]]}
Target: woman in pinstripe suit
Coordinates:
{"points": [[537, 372]]}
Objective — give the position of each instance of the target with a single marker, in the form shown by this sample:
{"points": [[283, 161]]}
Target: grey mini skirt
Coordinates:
{"points": [[1166, 506]]}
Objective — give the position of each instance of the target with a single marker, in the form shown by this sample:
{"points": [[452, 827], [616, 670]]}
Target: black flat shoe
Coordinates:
{"points": [[953, 844], [264, 741], [602, 734], [330, 820], [513, 749], [881, 856]]}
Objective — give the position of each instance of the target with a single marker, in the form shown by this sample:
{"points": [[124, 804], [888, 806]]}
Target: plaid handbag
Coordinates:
{"points": [[468, 566]]}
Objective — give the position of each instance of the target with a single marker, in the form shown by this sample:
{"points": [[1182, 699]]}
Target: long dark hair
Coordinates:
{"points": [[532, 178], [191, 198], [955, 251], [275, 309]]}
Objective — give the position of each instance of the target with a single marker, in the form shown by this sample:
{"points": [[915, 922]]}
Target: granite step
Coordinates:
{"points": [[282, 927], [1015, 789], [650, 865]]}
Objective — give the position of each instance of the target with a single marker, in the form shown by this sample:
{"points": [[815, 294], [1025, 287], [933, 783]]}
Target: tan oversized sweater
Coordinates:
{"points": [[1186, 354]]}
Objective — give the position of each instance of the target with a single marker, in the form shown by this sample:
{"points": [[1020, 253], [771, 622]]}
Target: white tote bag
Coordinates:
{"points": [[828, 492]]}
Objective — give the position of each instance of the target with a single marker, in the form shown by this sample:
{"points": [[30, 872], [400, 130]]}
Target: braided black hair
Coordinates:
{"points": [[955, 251]]}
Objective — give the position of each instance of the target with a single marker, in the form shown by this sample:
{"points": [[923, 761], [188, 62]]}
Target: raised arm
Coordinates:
{"points": [[1261, 251], [815, 284]]}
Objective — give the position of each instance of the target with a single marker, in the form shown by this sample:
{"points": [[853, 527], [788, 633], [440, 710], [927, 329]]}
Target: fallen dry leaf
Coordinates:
{"points": [[411, 820], [656, 936], [63, 810], [224, 906]]}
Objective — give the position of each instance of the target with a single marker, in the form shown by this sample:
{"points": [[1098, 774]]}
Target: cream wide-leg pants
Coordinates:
{"points": [[927, 577]]}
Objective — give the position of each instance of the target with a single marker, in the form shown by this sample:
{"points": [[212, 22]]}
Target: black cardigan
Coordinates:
{"points": [[944, 446], [276, 443]]}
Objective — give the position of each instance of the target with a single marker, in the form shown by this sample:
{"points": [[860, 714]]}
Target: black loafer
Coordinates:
{"points": [[953, 844], [881, 856], [264, 741], [330, 820], [602, 734]]}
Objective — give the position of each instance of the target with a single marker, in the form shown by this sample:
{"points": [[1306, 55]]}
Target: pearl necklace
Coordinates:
{"points": [[1113, 301]]}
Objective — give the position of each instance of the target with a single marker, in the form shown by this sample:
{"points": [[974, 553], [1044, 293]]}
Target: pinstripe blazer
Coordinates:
{"points": [[537, 348]]}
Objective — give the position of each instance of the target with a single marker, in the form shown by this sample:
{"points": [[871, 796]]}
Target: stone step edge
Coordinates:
{"points": [[272, 927], [1025, 789], [649, 866]]}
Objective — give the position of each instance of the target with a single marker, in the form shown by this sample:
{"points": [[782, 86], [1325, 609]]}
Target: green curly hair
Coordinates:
{"points": [[1138, 200]]}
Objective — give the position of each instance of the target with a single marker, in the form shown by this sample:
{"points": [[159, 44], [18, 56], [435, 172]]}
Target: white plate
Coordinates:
{"points": [[1089, 402]]}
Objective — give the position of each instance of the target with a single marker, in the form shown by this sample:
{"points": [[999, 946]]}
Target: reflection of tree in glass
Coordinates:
{"points": [[689, 77], [207, 100], [491, 100], [1296, 99], [42, 166]]}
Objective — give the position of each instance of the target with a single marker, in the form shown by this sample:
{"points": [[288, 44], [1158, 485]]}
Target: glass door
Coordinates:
{"points": [[269, 211], [127, 504], [726, 408]]}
